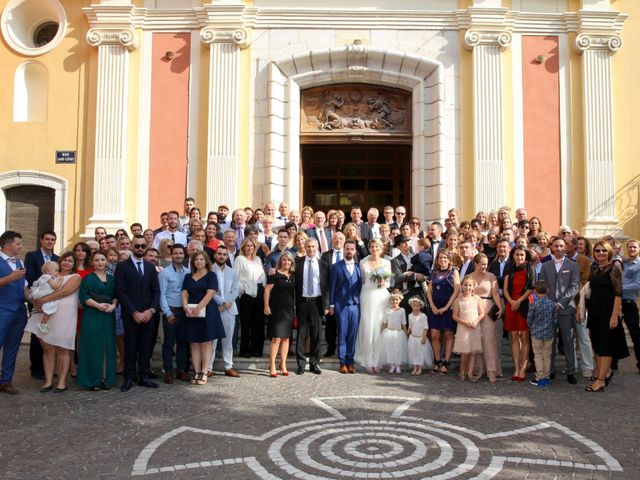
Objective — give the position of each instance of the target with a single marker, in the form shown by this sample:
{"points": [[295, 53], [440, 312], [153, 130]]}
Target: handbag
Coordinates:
{"points": [[199, 313], [99, 297], [493, 312]]}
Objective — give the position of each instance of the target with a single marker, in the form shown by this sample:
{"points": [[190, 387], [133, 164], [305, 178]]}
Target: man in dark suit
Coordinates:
{"points": [[563, 277], [13, 314], [466, 252], [320, 233], [331, 257], [434, 232], [403, 279], [33, 263], [312, 302], [138, 292], [370, 229], [345, 284]]}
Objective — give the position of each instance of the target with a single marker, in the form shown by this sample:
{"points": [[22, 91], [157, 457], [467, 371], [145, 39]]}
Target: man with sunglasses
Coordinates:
{"points": [[401, 215], [138, 291]]}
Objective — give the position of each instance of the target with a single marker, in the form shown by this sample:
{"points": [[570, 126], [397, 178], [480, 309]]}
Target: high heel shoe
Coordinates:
{"points": [[607, 380], [589, 388], [274, 374], [284, 373], [196, 378]]}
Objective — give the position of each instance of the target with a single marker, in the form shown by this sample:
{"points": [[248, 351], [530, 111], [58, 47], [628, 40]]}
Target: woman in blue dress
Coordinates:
{"points": [[202, 319], [444, 288]]}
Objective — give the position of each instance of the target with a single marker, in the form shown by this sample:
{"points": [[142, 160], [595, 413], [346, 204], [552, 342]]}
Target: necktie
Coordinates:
{"points": [[338, 256], [140, 269], [323, 241], [173, 238], [310, 278], [47, 258], [12, 259]]}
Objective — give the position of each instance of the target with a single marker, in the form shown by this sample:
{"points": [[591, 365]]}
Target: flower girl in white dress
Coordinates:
{"points": [[394, 335], [418, 346]]}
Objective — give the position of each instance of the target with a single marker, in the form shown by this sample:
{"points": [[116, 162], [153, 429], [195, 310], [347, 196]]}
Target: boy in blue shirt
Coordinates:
{"points": [[542, 319]]}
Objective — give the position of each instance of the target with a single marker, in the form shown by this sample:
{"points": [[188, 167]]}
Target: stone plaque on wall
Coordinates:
{"points": [[355, 108]]}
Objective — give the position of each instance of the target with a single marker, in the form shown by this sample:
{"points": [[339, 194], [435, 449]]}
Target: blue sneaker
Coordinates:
{"points": [[544, 382]]}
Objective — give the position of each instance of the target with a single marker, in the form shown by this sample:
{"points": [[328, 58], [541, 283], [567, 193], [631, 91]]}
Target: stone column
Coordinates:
{"points": [[488, 115], [597, 119], [112, 118], [224, 105]]}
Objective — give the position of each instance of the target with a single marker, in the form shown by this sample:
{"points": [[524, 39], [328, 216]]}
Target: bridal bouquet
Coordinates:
{"points": [[379, 275]]}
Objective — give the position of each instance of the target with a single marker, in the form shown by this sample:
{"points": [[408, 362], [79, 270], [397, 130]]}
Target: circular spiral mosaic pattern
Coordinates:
{"points": [[372, 449]]}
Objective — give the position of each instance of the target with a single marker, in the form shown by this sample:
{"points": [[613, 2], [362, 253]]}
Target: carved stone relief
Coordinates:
{"points": [[367, 109]]}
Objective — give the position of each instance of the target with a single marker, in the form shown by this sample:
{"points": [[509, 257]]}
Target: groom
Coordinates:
{"points": [[345, 283]]}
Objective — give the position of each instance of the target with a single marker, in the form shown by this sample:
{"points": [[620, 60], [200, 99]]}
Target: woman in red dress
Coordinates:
{"points": [[518, 285]]}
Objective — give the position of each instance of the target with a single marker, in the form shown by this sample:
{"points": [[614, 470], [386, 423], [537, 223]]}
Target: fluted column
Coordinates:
{"points": [[597, 117], [488, 142], [111, 127], [224, 105]]}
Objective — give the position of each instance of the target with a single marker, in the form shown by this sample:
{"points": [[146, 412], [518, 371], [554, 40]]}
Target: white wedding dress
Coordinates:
{"points": [[374, 302]]}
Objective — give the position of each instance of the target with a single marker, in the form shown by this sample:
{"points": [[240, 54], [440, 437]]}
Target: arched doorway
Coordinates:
{"points": [[30, 210], [356, 142]]}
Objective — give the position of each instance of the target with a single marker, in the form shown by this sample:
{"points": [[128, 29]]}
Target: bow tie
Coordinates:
{"points": [[555, 260]]}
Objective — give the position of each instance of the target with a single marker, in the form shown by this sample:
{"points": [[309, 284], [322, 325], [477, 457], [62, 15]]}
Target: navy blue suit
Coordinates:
{"points": [[344, 295], [137, 294], [33, 263], [13, 318]]}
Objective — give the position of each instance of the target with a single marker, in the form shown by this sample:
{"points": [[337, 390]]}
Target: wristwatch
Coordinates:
{"points": [[153, 311]]}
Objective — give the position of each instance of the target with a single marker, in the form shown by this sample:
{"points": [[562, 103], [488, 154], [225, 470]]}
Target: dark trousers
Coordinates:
{"points": [[35, 356], [330, 333], [169, 333], [137, 348], [155, 320], [309, 325], [630, 312], [251, 312]]}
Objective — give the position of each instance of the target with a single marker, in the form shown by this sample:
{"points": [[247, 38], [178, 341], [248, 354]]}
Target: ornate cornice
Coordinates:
{"points": [[611, 43], [211, 35], [473, 38], [113, 36]]}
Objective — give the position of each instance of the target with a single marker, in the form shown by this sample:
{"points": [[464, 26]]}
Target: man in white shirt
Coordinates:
{"points": [[229, 241], [371, 229], [312, 302], [172, 232], [283, 218], [466, 252], [189, 203]]}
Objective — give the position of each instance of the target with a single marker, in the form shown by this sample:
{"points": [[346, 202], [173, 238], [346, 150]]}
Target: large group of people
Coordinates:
{"points": [[388, 292]]}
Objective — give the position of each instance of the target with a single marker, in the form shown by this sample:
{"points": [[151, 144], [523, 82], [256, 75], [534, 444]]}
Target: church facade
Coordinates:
{"points": [[116, 110]]}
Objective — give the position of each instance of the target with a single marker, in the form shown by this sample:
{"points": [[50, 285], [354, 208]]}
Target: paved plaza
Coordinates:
{"points": [[330, 426]]}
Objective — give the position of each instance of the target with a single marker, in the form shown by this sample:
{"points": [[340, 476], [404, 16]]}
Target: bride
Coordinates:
{"points": [[374, 302]]}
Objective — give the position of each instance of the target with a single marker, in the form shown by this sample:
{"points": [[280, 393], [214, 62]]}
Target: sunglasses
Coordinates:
{"points": [[139, 245], [415, 223], [401, 213], [600, 250]]}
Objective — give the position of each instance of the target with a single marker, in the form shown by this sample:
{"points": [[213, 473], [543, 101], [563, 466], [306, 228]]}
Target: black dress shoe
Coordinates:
{"points": [[147, 382], [571, 378], [126, 385], [315, 369], [300, 371]]}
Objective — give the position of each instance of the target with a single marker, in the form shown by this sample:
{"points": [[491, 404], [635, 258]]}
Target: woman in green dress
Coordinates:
{"points": [[98, 334]]}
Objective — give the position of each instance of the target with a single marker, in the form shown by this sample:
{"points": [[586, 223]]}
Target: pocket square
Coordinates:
{"points": [[565, 271]]}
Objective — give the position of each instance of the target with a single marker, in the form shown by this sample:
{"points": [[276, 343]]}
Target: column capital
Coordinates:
{"points": [[589, 41], [239, 36], [125, 37], [490, 38]]}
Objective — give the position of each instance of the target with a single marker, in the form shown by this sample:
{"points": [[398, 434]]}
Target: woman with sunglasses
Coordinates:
{"points": [[604, 307]]}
